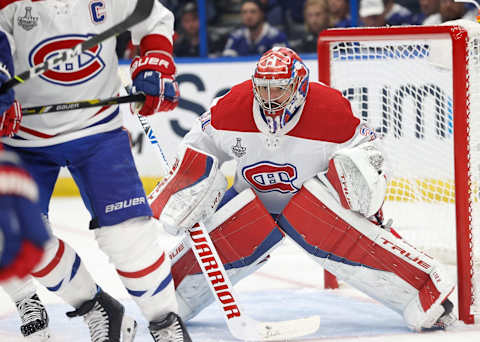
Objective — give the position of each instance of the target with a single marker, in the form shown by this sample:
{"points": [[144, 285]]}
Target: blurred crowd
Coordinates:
{"points": [[251, 27]]}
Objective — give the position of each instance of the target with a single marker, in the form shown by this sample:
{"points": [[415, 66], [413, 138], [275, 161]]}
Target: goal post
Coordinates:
{"points": [[419, 87]]}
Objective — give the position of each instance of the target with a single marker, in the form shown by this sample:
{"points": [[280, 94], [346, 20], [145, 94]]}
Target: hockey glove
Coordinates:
{"points": [[154, 76], [22, 232], [10, 111]]}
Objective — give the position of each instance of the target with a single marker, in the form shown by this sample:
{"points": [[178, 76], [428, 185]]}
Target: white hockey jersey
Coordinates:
{"points": [[38, 29], [276, 165]]}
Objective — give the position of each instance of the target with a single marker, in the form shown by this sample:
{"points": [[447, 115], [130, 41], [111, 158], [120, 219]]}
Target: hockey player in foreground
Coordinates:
{"points": [[93, 146], [22, 233], [305, 167]]}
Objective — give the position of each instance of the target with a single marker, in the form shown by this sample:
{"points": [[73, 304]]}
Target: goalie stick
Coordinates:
{"points": [[240, 325], [142, 10]]}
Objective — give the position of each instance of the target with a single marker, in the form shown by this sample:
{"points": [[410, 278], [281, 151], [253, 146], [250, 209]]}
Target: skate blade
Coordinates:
{"points": [[129, 328], [39, 336]]}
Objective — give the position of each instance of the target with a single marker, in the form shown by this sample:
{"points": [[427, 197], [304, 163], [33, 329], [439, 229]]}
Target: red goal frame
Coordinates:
{"points": [[459, 38]]}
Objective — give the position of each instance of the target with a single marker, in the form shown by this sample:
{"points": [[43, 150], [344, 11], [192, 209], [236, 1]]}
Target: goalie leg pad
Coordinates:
{"points": [[133, 247], [190, 193], [366, 256], [243, 233]]}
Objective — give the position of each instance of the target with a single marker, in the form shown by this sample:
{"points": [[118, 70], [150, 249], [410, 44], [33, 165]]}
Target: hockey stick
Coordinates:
{"points": [[142, 10], [66, 106], [240, 325]]}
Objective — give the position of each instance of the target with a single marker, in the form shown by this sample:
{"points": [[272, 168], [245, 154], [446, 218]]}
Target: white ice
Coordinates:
{"points": [[289, 286]]}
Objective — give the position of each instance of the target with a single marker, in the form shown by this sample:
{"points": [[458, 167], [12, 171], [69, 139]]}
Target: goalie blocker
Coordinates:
{"points": [[190, 193]]}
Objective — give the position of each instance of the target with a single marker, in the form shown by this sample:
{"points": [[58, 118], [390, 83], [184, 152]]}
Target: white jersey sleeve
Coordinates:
{"points": [[38, 30]]}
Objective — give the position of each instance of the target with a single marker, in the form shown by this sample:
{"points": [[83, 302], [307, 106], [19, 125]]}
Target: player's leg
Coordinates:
{"points": [[243, 233], [367, 256], [61, 270], [124, 227], [30, 308]]}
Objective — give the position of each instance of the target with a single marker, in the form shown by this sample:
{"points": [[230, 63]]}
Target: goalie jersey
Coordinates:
{"points": [[271, 164], [38, 30]]}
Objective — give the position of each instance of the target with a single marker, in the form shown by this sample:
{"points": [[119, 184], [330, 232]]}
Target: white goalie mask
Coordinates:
{"points": [[280, 85]]}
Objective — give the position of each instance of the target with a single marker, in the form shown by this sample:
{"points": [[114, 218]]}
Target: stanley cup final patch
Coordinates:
{"points": [[239, 150], [27, 22]]}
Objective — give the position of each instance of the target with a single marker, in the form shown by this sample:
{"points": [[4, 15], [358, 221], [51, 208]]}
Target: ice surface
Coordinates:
{"points": [[289, 286]]}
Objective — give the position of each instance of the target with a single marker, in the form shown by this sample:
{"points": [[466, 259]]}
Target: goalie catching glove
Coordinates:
{"points": [[191, 192], [357, 177]]}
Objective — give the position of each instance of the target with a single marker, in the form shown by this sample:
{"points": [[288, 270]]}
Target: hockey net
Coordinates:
{"points": [[420, 88]]}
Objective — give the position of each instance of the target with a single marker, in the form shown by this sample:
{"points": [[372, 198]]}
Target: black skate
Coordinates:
{"points": [[105, 318], [170, 329], [34, 319]]}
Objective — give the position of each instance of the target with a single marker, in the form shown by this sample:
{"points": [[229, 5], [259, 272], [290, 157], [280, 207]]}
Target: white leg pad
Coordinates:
{"points": [[194, 294], [243, 233], [366, 256]]}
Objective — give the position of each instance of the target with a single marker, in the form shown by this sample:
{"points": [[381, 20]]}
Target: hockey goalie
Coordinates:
{"points": [[306, 167]]}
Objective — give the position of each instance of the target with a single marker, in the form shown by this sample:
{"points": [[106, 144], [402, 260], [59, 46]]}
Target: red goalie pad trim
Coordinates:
{"points": [[428, 295], [240, 240], [332, 176], [325, 234]]}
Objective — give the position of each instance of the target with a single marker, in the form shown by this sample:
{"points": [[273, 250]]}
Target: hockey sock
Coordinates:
{"points": [[62, 272], [142, 264]]}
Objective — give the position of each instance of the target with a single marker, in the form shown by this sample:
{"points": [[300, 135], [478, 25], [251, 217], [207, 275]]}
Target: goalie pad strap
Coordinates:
{"points": [[242, 231]]}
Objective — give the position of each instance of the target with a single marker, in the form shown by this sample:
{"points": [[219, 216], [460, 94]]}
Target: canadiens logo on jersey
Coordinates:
{"points": [[78, 70], [267, 176], [27, 22]]}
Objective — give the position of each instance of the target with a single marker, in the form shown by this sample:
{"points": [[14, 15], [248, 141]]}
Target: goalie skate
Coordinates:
{"points": [[446, 319], [34, 319], [105, 318]]}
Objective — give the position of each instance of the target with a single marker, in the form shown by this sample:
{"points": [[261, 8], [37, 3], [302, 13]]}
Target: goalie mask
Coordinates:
{"points": [[280, 85]]}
